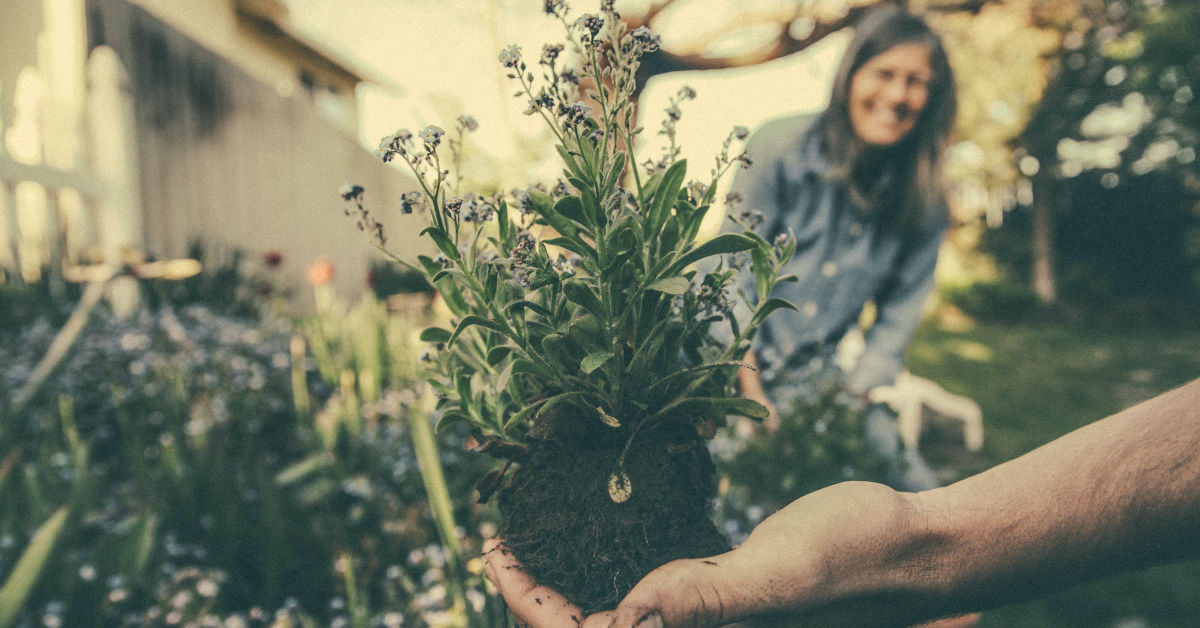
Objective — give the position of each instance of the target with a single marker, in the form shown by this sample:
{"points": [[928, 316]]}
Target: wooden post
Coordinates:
{"points": [[1045, 284], [54, 241], [8, 205], [114, 160]]}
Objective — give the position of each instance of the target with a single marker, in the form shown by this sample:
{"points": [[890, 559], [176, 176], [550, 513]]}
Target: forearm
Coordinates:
{"points": [[1119, 494]]}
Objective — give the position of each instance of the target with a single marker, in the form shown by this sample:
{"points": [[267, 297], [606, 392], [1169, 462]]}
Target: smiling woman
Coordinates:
{"points": [[858, 187], [888, 94]]}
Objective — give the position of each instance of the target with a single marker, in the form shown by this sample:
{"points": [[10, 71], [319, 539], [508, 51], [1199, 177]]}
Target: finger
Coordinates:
{"points": [[534, 604], [599, 620], [678, 593]]}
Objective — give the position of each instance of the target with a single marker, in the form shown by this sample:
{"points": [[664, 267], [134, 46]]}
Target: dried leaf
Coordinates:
{"points": [[608, 419], [619, 487]]}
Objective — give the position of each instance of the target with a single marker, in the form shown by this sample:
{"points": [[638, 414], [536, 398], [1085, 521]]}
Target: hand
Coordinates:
{"points": [[824, 560], [533, 605], [790, 572], [750, 386]]}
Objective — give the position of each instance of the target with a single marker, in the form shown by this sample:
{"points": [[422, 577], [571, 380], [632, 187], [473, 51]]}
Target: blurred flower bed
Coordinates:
{"points": [[202, 463]]}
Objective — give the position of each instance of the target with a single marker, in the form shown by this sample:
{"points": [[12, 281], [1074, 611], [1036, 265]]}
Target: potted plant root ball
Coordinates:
{"points": [[590, 346]]}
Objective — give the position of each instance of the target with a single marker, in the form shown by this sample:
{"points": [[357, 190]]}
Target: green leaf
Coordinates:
{"points": [[789, 249], [521, 415], [470, 320], [462, 387], [665, 195], [490, 285], [443, 242], [669, 237], [504, 225], [141, 543], [450, 417], [702, 370], [587, 334], [724, 405], [770, 306], [671, 285], [614, 172], [722, 244], [579, 292], [693, 223], [439, 386], [453, 297], [562, 398], [594, 361], [523, 365], [569, 160], [541, 201], [554, 347], [496, 355], [435, 334], [523, 304], [502, 379], [297, 471], [591, 208], [25, 573], [760, 265], [571, 207], [563, 225], [574, 245], [446, 287]]}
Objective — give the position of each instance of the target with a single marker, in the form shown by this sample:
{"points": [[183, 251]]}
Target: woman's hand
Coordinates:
{"points": [[750, 386]]}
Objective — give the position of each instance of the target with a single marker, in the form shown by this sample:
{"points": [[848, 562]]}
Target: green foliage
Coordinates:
{"points": [[198, 489], [1113, 247], [25, 573], [592, 300], [999, 300]]}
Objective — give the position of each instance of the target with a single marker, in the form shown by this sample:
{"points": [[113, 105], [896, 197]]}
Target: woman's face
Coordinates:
{"points": [[888, 92]]}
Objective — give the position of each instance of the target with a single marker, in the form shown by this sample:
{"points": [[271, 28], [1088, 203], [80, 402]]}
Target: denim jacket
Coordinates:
{"points": [[845, 257]]}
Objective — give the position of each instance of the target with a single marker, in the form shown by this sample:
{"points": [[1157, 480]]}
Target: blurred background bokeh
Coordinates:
{"points": [[210, 409]]}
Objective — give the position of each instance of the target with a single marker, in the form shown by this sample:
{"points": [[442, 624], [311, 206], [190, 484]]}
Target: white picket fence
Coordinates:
{"points": [[56, 209]]}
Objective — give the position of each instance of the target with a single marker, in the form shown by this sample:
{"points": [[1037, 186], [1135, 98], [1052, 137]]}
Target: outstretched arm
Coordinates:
{"points": [[1121, 493]]}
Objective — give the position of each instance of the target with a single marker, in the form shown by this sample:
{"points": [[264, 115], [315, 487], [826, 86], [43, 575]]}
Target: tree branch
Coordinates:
{"points": [[664, 61]]}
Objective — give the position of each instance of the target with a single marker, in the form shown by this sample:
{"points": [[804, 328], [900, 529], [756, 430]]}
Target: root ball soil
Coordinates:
{"points": [[570, 535]]}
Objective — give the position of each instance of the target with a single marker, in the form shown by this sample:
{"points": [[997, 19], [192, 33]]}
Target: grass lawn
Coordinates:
{"points": [[1037, 381]]}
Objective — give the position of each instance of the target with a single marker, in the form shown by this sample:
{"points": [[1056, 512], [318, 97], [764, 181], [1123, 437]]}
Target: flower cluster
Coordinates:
{"points": [[646, 40], [364, 220], [669, 129], [590, 25], [410, 201], [524, 258], [472, 208]]}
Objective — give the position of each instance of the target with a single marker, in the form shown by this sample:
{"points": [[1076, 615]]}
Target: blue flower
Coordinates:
{"points": [[510, 56], [432, 135], [410, 201], [350, 191], [645, 39]]}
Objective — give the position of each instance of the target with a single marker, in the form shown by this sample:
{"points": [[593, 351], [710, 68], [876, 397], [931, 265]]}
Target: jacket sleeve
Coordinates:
{"points": [[898, 311]]}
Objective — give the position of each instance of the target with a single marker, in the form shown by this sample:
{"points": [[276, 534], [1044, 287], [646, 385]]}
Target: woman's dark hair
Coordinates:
{"points": [[911, 168]]}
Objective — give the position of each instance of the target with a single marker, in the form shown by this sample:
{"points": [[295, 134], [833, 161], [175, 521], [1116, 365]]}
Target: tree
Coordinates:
{"points": [[1118, 103]]}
